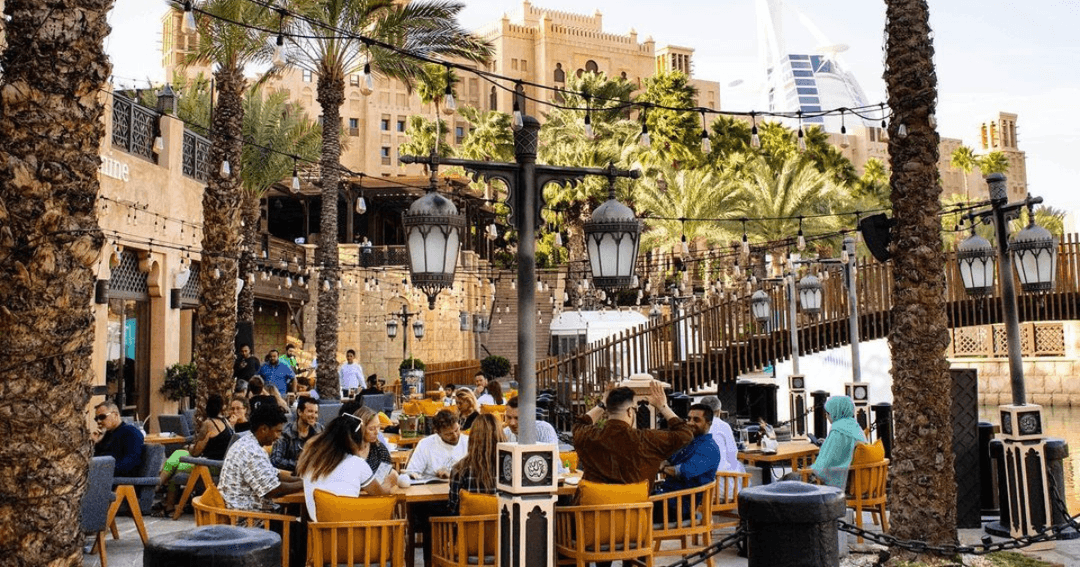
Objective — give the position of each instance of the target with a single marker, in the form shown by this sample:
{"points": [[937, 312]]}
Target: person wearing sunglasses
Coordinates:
{"points": [[331, 462], [117, 439], [615, 452]]}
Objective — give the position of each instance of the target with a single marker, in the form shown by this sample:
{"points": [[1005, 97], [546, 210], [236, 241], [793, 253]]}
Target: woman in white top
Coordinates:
{"points": [[331, 461]]}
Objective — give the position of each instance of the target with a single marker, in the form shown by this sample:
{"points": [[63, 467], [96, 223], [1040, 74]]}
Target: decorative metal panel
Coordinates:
{"points": [[127, 281], [190, 291], [196, 156]]}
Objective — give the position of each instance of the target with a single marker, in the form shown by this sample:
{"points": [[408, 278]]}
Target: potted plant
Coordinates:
{"points": [[180, 383], [495, 367], [412, 376]]}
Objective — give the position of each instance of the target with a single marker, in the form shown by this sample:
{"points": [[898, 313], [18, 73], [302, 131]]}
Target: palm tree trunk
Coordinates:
{"points": [[214, 352], [50, 132], [331, 95], [245, 303], [923, 497]]}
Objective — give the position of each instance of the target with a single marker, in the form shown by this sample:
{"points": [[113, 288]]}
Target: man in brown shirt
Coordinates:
{"points": [[616, 453]]}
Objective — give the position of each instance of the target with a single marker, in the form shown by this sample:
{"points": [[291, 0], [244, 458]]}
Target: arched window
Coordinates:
{"points": [[591, 67], [560, 75]]}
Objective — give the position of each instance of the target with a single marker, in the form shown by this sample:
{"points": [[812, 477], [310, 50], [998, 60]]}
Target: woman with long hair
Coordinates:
{"points": [[494, 389], [371, 449], [467, 406], [331, 461], [477, 471], [211, 442]]}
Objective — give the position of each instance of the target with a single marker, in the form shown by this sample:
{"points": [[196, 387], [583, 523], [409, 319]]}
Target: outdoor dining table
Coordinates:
{"points": [[166, 440], [789, 453]]}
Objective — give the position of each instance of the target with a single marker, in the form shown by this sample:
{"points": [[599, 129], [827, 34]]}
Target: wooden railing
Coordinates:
{"points": [[721, 340], [457, 372]]}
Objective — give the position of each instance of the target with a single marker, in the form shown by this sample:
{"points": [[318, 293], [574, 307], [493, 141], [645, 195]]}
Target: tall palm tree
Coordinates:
{"points": [[424, 27], [490, 137], [670, 192], [963, 158], [922, 502], [230, 48], [50, 133], [273, 123]]}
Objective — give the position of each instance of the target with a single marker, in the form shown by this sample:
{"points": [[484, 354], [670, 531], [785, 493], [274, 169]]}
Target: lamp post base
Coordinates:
{"points": [[1026, 479], [797, 405], [527, 482]]}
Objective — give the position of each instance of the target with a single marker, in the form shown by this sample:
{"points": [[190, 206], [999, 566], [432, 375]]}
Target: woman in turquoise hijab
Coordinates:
{"points": [[834, 458]]}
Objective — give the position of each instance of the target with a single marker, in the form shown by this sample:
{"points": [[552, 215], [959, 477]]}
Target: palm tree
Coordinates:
{"points": [[994, 162], [490, 137], [50, 134], [563, 141], [676, 136], [667, 191], [431, 88], [230, 48], [424, 27], [270, 123], [963, 158], [923, 494], [423, 134]]}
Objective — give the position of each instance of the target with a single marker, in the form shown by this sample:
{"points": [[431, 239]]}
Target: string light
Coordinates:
{"points": [[367, 83], [449, 105], [187, 23], [226, 169], [518, 121], [361, 205], [844, 140], [588, 118], [644, 139], [706, 144], [802, 137], [295, 185], [902, 131], [755, 140], [278, 59], [159, 144], [801, 245]]}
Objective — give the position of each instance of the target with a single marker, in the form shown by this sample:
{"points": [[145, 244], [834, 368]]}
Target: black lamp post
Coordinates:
{"points": [[526, 471], [1035, 251], [404, 316]]}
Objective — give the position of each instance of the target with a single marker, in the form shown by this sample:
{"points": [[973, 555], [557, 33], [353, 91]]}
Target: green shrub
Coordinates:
{"points": [[495, 366], [180, 381]]}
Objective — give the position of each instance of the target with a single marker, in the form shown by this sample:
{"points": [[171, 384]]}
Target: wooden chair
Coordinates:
{"points": [[610, 532], [866, 489], [378, 542], [202, 471], [210, 510], [726, 498], [686, 516], [465, 541]]}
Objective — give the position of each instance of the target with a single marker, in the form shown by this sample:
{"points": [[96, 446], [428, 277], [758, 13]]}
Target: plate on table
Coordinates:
{"points": [[571, 480]]}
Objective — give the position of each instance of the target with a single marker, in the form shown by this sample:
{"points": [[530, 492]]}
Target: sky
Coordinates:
{"points": [[990, 56]]}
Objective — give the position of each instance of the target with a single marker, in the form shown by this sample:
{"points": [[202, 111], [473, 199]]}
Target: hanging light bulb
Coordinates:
{"points": [[706, 143], [217, 273], [755, 140], [802, 140], [295, 186], [300, 281], [226, 169], [159, 144], [844, 256], [449, 105], [558, 240], [932, 121], [588, 125], [745, 245], [361, 205], [645, 140], [737, 272], [367, 83], [801, 244], [278, 59], [326, 285], [685, 246], [844, 140], [251, 279], [492, 234], [902, 131], [340, 285], [518, 121], [187, 23], [288, 282]]}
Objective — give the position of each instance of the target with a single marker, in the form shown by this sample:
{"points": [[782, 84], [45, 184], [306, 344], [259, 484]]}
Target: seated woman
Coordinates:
{"points": [[477, 471], [238, 414], [467, 406], [834, 458], [372, 449], [494, 389], [211, 442], [331, 461]]}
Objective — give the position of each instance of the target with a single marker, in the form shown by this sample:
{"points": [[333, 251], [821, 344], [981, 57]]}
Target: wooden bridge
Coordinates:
{"points": [[717, 342]]}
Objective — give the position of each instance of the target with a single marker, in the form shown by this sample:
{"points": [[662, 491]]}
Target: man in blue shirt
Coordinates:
{"points": [[117, 439], [695, 464], [277, 373]]}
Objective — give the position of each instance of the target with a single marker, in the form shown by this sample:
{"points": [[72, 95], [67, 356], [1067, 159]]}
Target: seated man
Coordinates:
{"points": [[294, 435], [695, 464], [724, 438], [117, 439], [545, 433], [248, 479], [436, 454], [615, 452]]}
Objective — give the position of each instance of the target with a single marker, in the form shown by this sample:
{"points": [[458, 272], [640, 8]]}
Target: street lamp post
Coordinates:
{"points": [[527, 480], [392, 329], [1021, 423]]}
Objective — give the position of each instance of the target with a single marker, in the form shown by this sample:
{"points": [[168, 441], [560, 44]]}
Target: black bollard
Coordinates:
{"points": [[792, 524], [883, 420], [220, 546], [1056, 451], [988, 479], [821, 421]]}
